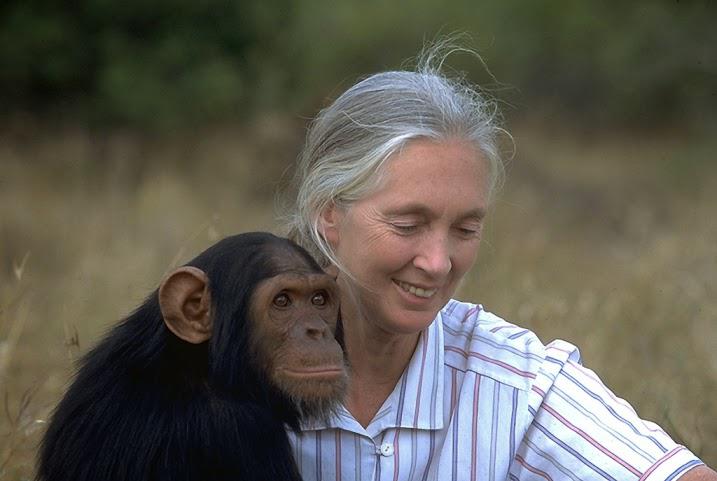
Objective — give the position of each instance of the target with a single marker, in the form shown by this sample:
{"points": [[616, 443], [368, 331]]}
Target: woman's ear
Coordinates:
{"points": [[332, 270], [185, 302], [329, 221]]}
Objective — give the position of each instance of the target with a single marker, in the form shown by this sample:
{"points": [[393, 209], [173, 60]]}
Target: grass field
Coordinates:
{"points": [[607, 241]]}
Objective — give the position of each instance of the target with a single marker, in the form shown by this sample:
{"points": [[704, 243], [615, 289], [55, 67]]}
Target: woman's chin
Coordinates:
{"points": [[400, 312], [410, 321]]}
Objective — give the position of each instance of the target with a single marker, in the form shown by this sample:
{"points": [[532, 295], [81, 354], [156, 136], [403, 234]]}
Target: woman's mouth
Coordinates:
{"points": [[416, 291]]}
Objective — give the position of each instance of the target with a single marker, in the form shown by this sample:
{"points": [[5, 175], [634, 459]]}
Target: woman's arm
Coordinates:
{"points": [[700, 473]]}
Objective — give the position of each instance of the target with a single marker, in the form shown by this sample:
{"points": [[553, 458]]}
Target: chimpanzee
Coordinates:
{"points": [[202, 380]]}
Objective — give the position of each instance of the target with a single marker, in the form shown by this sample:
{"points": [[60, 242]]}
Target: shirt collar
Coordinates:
{"points": [[417, 399]]}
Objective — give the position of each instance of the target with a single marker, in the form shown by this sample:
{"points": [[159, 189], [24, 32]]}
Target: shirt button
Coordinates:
{"points": [[387, 449]]}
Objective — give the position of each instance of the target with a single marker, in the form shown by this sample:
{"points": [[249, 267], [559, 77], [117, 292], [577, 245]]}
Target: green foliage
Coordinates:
{"points": [[181, 62], [134, 62]]}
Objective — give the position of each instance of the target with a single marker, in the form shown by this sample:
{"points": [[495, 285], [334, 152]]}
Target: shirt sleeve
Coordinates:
{"points": [[582, 431]]}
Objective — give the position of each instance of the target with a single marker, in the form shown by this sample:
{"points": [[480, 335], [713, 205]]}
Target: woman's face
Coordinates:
{"points": [[409, 243]]}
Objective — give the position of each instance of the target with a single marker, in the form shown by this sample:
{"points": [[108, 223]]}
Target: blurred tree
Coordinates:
{"points": [[134, 62], [625, 63], [174, 63]]}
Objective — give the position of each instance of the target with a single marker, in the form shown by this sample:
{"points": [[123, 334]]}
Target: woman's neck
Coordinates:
{"points": [[377, 360]]}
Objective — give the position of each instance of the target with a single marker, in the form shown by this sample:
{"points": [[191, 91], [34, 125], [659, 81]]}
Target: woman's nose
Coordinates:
{"points": [[434, 256]]}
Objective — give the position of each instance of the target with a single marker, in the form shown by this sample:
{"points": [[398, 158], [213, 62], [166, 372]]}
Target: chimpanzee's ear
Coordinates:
{"points": [[185, 302]]}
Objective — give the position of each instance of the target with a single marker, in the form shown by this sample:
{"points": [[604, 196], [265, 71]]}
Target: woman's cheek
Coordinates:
{"points": [[467, 255]]}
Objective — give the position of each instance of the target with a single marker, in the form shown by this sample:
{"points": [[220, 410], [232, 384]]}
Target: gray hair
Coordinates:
{"points": [[349, 141]]}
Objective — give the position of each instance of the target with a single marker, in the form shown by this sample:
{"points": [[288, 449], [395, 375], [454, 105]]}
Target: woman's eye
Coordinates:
{"points": [[319, 299], [469, 231], [405, 228], [282, 300]]}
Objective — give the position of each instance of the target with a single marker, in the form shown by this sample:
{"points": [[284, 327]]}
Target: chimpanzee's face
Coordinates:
{"points": [[293, 317]]}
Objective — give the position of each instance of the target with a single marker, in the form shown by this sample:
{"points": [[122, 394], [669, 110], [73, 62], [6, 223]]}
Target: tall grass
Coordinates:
{"points": [[609, 242]]}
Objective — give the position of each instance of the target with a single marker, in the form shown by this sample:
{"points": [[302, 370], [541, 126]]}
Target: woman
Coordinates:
{"points": [[394, 183]]}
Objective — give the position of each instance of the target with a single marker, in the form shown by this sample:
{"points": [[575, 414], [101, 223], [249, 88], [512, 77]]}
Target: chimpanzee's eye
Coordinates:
{"points": [[319, 298], [281, 300]]}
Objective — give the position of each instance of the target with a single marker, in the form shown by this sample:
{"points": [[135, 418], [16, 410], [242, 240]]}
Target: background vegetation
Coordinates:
{"points": [[133, 134], [182, 62]]}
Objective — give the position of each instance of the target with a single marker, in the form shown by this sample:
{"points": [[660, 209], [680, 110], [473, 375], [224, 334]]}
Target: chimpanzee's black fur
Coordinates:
{"points": [[146, 405]]}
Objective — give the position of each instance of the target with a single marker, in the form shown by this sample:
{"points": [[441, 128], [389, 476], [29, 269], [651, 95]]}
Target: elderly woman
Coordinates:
{"points": [[394, 184]]}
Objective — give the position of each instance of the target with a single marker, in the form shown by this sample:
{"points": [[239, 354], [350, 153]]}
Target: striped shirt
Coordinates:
{"points": [[484, 399]]}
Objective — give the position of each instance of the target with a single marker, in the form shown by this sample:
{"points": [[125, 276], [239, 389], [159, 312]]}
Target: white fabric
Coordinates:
{"points": [[484, 399]]}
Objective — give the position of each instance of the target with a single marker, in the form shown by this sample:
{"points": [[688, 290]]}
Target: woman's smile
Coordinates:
{"points": [[415, 290]]}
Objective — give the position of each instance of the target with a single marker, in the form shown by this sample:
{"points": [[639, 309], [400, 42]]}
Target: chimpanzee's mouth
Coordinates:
{"points": [[318, 372]]}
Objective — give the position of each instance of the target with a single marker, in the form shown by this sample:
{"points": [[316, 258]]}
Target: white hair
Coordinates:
{"points": [[349, 141]]}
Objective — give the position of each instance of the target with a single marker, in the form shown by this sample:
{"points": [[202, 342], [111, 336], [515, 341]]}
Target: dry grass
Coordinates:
{"points": [[610, 243]]}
